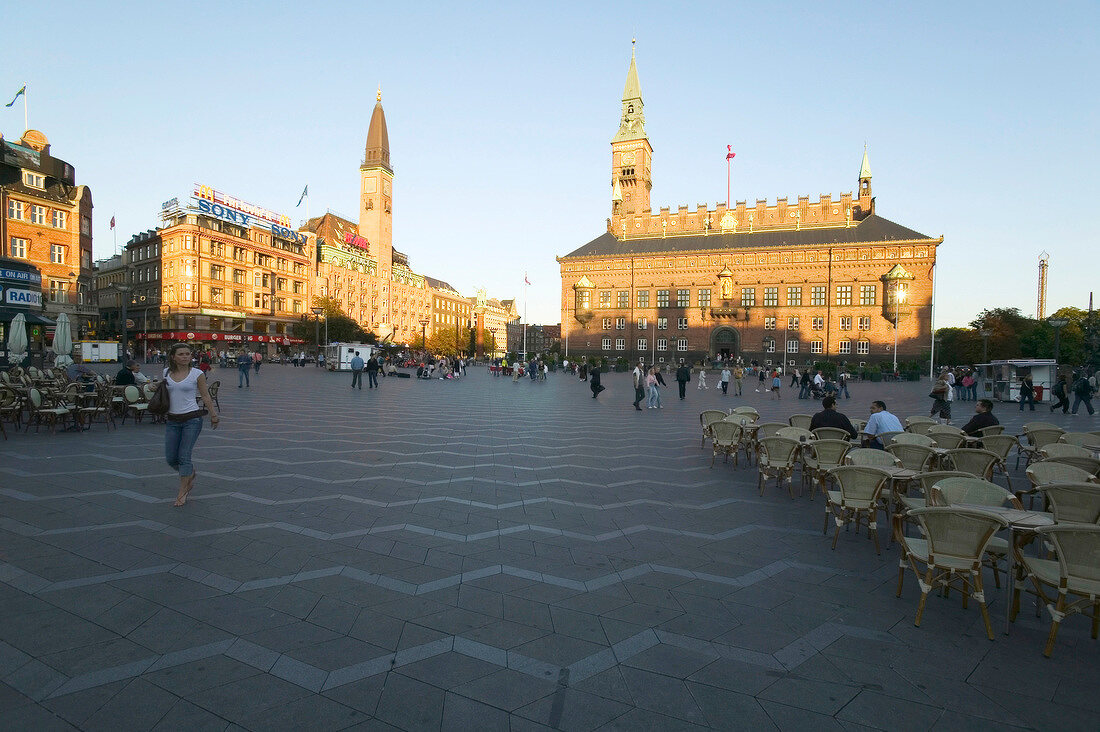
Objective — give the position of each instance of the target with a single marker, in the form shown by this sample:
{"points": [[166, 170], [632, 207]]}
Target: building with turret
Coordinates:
{"points": [[781, 283]]}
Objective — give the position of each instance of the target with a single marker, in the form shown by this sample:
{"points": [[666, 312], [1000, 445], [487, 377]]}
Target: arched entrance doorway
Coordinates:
{"points": [[725, 343]]}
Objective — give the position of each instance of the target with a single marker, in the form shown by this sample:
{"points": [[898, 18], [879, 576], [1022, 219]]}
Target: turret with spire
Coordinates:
{"points": [[632, 123], [378, 138], [631, 153], [376, 212], [866, 199]]}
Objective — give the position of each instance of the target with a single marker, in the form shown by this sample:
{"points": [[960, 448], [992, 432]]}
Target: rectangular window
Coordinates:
{"points": [[643, 344], [816, 346], [38, 214], [643, 323], [792, 346], [843, 294], [817, 295], [682, 323], [585, 300], [794, 296], [769, 323], [606, 344], [845, 347], [238, 298], [817, 323], [662, 298], [771, 297], [704, 298], [19, 247], [748, 297], [662, 344], [683, 298], [662, 323], [792, 323], [607, 323], [189, 291], [605, 298], [643, 298], [623, 299], [864, 322], [86, 225], [681, 344], [620, 323], [15, 209], [59, 291], [57, 254], [769, 345], [868, 294], [863, 347], [620, 344], [216, 295], [846, 322], [217, 272], [59, 219], [34, 180]]}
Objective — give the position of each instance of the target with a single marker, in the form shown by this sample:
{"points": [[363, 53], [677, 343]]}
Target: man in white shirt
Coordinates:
{"points": [[639, 385], [819, 380], [724, 381], [880, 421]]}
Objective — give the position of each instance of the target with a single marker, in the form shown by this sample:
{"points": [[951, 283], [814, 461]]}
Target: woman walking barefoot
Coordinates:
{"points": [[186, 387]]}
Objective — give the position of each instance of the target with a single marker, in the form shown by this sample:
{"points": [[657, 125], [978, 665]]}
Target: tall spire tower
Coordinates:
{"points": [[631, 156], [376, 211], [866, 203]]}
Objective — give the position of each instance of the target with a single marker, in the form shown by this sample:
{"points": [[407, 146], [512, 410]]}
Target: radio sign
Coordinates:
{"points": [[24, 298]]}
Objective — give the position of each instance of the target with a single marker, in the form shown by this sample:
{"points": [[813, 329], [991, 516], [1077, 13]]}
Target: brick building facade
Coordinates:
{"points": [[774, 283]]}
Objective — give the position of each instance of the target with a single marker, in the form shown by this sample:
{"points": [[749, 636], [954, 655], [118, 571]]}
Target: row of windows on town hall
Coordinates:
{"points": [[844, 347], [845, 294], [863, 322]]}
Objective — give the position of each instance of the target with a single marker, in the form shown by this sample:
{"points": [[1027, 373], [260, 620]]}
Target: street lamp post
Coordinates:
{"points": [[317, 329], [984, 333], [424, 333], [899, 295], [1057, 324], [124, 299]]}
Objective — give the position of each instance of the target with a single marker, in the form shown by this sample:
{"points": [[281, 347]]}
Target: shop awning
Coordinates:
{"points": [[8, 314]]}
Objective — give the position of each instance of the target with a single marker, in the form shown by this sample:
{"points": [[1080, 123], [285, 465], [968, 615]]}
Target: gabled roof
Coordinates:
{"points": [[440, 285], [869, 230]]}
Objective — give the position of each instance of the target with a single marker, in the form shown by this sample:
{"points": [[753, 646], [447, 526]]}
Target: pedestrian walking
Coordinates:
{"points": [[738, 379], [1059, 391], [257, 359], [639, 376], [683, 376], [804, 385], [795, 377], [357, 371], [702, 380], [594, 380], [842, 385], [372, 372], [188, 400], [724, 380], [777, 385], [653, 396], [244, 365], [1027, 393], [941, 399], [1082, 393]]}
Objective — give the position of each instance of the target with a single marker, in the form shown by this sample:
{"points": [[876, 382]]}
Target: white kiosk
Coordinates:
{"points": [[1000, 380]]}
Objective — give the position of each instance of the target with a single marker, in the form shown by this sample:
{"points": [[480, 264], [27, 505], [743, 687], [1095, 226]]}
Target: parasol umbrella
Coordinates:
{"points": [[63, 341], [17, 340]]}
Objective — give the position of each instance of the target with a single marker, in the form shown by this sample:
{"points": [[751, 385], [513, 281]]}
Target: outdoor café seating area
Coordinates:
{"points": [[1022, 510], [48, 401]]}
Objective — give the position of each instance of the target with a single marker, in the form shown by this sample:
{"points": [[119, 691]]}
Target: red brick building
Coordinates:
{"points": [[775, 283]]}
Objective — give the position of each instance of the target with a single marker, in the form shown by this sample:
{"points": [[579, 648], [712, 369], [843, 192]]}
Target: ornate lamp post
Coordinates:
{"points": [[317, 326], [985, 333], [1057, 324], [424, 333], [899, 295]]}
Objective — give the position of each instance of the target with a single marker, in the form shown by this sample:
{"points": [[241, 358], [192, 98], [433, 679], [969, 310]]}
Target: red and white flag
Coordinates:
{"points": [[525, 280], [730, 154], [112, 223]]}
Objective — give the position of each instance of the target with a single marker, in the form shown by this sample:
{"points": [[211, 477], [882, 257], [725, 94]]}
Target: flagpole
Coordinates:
{"points": [[525, 286], [26, 124]]}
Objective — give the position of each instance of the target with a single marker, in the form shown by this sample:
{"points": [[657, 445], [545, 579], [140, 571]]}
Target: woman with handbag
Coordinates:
{"points": [[187, 397]]}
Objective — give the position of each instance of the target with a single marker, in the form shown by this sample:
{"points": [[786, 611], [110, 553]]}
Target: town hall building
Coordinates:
{"points": [[786, 283]]}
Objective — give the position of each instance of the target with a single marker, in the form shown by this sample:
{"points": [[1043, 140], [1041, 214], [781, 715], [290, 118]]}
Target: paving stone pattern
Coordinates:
{"points": [[480, 554]]}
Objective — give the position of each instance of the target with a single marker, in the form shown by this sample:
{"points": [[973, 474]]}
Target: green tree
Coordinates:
{"points": [[1007, 326], [489, 341], [341, 327], [449, 341]]}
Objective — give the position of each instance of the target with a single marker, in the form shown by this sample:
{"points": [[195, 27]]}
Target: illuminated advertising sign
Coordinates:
{"points": [[235, 211], [259, 212], [350, 237], [22, 298]]}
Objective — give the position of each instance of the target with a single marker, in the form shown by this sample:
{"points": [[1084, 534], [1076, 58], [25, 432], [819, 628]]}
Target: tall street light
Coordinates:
{"points": [[317, 327], [124, 300], [899, 295], [1057, 324], [984, 333], [424, 333]]}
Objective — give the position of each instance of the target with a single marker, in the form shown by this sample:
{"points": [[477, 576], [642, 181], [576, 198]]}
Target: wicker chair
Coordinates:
{"points": [[769, 429], [831, 433], [859, 424], [947, 440], [993, 429], [776, 458], [798, 434], [800, 420], [747, 411], [951, 552], [913, 457], [920, 428], [43, 411], [953, 491], [824, 456], [906, 501], [869, 457], [706, 419], [213, 388], [1088, 464], [908, 438], [855, 500], [1037, 439], [1076, 573], [135, 404], [1073, 502], [918, 419], [725, 439], [1078, 438], [101, 408], [978, 463], [1046, 472], [1062, 449], [887, 438], [1001, 446]]}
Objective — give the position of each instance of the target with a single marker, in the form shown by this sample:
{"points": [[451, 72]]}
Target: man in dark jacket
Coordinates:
{"points": [[683, 376], [372, 372], [594, 381], [983, 418], [829, 417]]}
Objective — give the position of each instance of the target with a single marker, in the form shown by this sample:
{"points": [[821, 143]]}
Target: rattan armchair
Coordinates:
{"points": [[706, 419], [800, 420], [909, 438], [1073, 502], [1087, 463], [776, 458], [1037, 439], [913, 457], [870, 457], [725, 439], [855, 501], [1075, 574], [135, 404], [831, 433], [951, 551], [823, 456], [975, 491], [908, 500], [1062, 449], [978, 463]]}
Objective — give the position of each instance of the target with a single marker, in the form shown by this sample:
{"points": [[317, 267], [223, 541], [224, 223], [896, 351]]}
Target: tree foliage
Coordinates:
{"points": [[341, 327], [449, 341]]}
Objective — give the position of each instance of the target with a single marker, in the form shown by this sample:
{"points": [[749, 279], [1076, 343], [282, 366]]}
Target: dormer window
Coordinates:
{"points": [[34, 180]]}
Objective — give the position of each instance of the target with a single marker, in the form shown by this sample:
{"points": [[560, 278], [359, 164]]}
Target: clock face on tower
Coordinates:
{"points": [[628, 158], [385, 188]]}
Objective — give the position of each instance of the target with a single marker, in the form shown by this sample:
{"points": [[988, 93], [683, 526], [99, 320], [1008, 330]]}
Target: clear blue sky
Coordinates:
{"points": [[981, 120]]}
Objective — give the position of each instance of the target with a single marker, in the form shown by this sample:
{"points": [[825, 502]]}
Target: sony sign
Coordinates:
{"points": [[233, 216]]}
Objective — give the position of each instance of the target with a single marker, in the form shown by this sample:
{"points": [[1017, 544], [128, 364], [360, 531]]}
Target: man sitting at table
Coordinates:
{"points": [[982, 418], [829, 417], [77, 371], [130, 374], [880, 421]]}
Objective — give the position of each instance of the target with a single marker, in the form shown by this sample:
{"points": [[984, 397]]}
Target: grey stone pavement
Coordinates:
{"points": [[479, 555]]}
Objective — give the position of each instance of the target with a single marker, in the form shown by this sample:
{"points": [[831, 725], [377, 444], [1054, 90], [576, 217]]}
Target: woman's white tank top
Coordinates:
{"points": [[183, 396]]}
